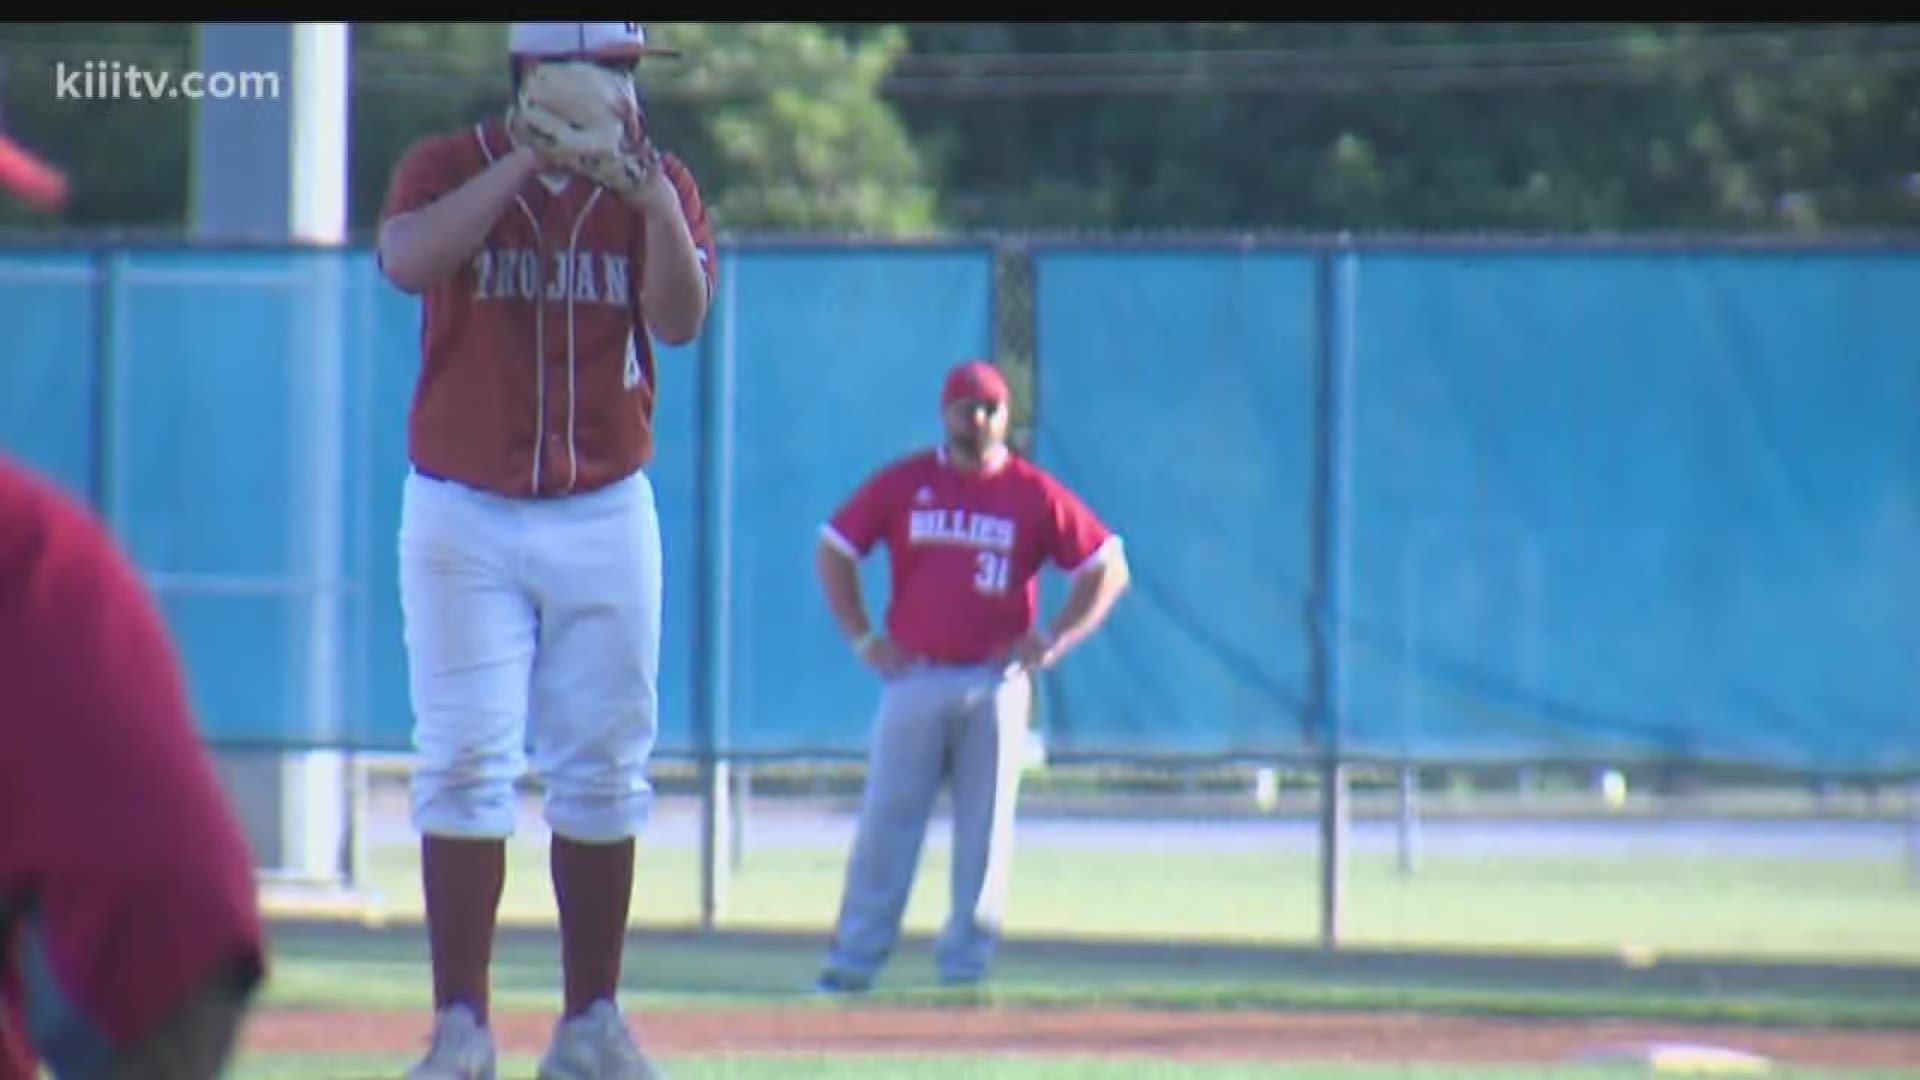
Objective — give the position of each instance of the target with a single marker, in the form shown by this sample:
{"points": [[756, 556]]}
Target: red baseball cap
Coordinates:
{"points": [[975, 380]]}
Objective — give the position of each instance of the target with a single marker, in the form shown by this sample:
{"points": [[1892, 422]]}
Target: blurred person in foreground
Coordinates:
{"points": [[131, 942]]}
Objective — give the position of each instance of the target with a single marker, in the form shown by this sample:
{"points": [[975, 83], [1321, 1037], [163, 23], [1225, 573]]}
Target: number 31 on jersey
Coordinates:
{"points": [[990, 572]]}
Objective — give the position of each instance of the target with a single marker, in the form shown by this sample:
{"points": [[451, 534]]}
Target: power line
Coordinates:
{"points": [[1719, 44], [1592, 74], [1343, 69], [1725, 45], [1608, 73]]}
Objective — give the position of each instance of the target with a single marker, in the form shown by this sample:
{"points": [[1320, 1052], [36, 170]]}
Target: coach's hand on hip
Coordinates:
{"points": [[881, 654]]}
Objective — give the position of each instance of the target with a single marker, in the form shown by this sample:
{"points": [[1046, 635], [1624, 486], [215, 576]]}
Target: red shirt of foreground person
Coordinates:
{"points": [[116, 841]]}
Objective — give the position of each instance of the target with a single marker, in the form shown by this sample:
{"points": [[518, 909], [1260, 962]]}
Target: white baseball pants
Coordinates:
{"points": [[963, 726], [531, 625]]}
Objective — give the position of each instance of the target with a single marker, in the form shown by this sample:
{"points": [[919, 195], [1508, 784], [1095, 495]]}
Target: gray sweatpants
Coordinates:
{"points": [[964, 726]]}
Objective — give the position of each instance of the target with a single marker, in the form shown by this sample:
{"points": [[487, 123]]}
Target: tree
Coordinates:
{"points": [[781, 122], [410, 79], [890, 131], [1409, 126], [786, 121], [126, 159]]}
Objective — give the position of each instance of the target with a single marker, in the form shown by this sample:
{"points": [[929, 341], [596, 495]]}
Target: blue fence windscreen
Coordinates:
{"points": [[1624, 504], [227, 452], [1176, 392], [49, 305], [836, 359], [386, 374], [1581, 504]]}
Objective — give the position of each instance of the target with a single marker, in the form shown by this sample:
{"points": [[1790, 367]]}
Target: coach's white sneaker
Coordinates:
{"points": [[461, 1050], [596, 1045]]}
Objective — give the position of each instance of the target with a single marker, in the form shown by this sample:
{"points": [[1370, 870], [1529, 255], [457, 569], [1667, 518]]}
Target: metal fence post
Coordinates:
{"points": [[1409, 819], [1913, 832], [1326, 603], [103, 467], [714, 486]]}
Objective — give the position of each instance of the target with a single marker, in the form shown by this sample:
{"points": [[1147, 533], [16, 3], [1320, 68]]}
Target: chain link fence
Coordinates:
{"points": [[1014, 339]]}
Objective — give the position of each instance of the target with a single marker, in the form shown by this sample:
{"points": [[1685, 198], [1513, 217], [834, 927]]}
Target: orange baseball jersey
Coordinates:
{"points": [[965, 549], [537, 373]]}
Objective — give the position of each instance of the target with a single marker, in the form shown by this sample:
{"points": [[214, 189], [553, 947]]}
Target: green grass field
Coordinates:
{"points": [[1560, 937], [1857, 910], [335, 966], [330, 967]]}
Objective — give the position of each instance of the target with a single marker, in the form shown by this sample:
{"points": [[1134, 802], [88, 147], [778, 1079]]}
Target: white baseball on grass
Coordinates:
{"points": [[1266, 788], [1613, 788]]}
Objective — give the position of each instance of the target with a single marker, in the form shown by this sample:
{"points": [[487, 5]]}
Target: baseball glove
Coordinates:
{"points": [[585, 119]]}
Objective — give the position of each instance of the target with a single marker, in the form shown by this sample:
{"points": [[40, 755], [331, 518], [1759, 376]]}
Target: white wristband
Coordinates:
{"points": [[860, 643]]}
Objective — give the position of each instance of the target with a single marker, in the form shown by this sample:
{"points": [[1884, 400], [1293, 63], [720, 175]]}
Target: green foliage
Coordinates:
{"points": [[1454, 127], [786, 126], [896, 131], [782, 123], [126, 160], [410, 80]]}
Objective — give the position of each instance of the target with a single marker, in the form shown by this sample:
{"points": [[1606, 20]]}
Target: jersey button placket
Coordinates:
{"points": [[551, 444], [555, 452]]}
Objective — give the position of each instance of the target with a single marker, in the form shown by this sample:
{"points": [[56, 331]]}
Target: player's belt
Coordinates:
{"points": [[951, 661], [429, 474]]}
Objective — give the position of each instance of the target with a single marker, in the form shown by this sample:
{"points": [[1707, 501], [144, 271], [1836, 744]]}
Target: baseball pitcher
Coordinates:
{"points": [[551, 247], [968, 527]]}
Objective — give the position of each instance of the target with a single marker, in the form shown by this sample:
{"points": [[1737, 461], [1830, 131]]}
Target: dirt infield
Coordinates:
{"points": [[1182, 1035]]}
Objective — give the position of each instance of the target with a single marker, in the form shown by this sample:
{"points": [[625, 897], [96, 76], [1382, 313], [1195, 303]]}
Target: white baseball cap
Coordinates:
{"points": [[590, 40]]}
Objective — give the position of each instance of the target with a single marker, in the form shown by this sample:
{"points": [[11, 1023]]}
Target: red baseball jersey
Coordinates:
{"points": [[966, 549], [112, 822], [537, 372]]}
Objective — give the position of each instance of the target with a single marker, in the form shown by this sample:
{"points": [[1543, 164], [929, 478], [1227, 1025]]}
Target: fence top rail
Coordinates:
{"points": [[106, 241], [1490, 242], [1278, 757]]}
